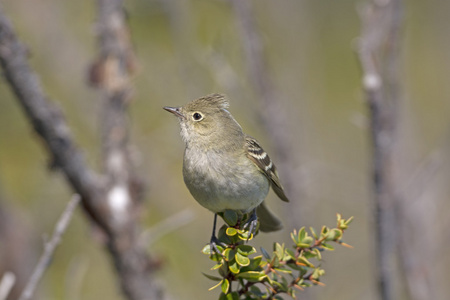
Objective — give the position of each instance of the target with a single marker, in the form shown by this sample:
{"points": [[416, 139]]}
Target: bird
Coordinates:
{"points": [[224, 168]]}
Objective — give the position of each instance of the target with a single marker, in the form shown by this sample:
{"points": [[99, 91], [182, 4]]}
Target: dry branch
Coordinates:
{"points": [[379, 58], [274, 116], [6, 284], [114, 67], [49, 248], [48, 122], [110, 199]]}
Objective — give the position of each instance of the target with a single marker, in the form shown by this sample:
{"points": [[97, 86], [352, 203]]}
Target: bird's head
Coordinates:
{"points": [[206, 121]]}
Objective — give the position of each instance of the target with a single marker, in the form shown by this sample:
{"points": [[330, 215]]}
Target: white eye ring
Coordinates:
{"points": [[197, 116]]}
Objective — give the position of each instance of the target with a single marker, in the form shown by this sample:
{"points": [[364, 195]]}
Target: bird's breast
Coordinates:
{"points": [[220, 180]]}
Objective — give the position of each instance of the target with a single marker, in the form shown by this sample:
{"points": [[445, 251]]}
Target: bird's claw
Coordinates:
{"points": [[252, 224], [213, 245]]}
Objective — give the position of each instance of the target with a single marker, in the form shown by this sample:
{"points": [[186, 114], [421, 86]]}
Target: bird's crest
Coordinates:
{"points": [[212, 101]]}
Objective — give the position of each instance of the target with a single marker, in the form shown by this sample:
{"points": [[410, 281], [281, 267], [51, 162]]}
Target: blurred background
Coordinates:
{"points": [[190, 48]]}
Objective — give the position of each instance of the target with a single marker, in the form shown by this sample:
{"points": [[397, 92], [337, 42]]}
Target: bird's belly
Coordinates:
{"points": [[236, 186]]}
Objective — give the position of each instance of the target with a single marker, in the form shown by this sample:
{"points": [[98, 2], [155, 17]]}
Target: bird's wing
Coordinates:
{"points": [[262, 160]]}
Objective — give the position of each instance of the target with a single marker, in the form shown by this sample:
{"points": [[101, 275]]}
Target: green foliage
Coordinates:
{"points": [[243, 274]]}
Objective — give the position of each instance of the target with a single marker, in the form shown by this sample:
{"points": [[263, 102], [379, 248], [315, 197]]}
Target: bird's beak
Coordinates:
{"points": [[174, 110]]}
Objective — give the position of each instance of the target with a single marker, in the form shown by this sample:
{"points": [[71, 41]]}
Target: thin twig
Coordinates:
{"points": [[166, 226], [50, 247], [6, 284]]}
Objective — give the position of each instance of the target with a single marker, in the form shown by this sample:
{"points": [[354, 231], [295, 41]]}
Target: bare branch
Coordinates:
{"points": [[6, 284], [49, 123], [111, 203], [113, 71], [378, 55], [49, 248], [167, 226], [274, 117]]}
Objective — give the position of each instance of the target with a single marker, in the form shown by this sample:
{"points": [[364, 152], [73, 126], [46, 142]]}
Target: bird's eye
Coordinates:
{"points": [[197, 116]]}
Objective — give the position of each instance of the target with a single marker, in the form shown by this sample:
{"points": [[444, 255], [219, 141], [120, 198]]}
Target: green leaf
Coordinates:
{"points": [[229, 254], [317, 253], [324, 231], [217, 266], [233, 296], [224, 271], [334, 234], [296, 267], [213, 287], [234, 267], [304, 261], [294, 237], [245, 250], [313, 232], [317, 273], [283, 270], [284, 283], [275, 262], [230, 217], [301, 234], [245, 235], [257, 292], [265, 253], [242, 260], [291, 292], [207, 250], [255, 265], [252, 276], [225, 286], [231, 231], [303, 240], [303, 245], [222, 235], [279, 250], [327, 247], [277, 284], [289, 254], [213, 278], [308, 241]]}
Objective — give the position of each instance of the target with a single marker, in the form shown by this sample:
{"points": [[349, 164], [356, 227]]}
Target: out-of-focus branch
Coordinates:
{"points": [[166, 226], [6, 284], [49, 123], [378, 54], [17, 256], [110, 200], [113, 71], [49, 248], [273, 115], [114, 66]]}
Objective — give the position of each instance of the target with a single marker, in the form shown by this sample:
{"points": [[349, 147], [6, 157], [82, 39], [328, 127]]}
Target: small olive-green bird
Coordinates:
{"points": [[223, 168]]}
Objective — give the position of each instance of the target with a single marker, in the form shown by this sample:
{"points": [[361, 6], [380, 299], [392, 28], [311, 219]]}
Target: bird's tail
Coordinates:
{"points": [[267, 220]]}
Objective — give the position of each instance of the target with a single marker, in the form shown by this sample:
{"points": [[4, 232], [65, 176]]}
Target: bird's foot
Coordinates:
{"points": [[252, 224], [213, 245]]}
